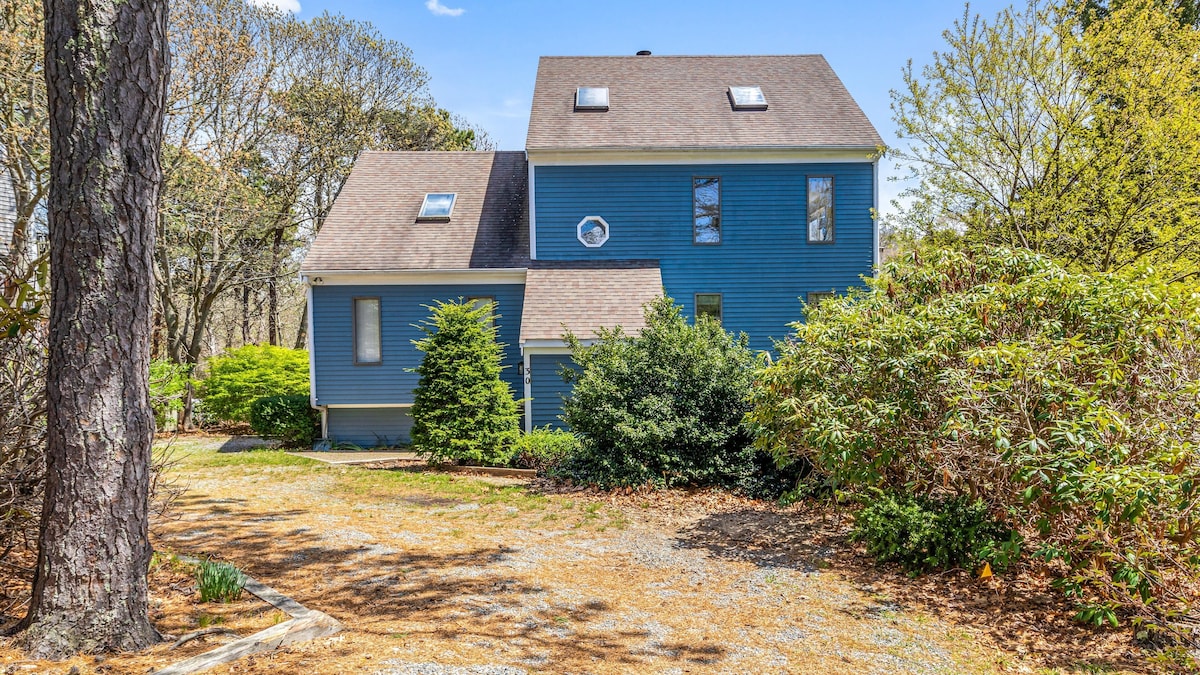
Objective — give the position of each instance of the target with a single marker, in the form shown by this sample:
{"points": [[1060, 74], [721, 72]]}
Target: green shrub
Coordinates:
{"points": [[545, 449], [664, 407], [168, 382], [1066, 402], [219, 582], [924, 534], [462, 410], [241, 376], [290, 418]]}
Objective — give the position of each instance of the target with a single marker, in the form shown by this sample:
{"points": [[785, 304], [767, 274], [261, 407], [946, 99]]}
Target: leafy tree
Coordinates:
{"points": [[462, 410], [1082, 143], [240, 376], [1067, 402], [24, 129], [663, 407], [106, 65]]}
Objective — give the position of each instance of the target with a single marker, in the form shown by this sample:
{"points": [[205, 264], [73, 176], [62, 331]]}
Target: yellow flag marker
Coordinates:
{"points": [[986, 572]]}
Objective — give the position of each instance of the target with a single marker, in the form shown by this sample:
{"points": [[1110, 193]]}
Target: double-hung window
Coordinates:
{"points": [[708, 304], [368, 345], [480, 302]]}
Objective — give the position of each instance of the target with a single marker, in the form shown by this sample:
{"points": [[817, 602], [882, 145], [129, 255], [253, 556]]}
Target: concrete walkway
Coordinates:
{"points": [[361, 457]]}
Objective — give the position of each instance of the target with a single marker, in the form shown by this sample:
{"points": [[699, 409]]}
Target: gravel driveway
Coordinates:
{"points": [[447, 575]]}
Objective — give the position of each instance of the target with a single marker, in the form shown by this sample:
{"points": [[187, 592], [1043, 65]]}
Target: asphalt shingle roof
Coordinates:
{"points": [[373, 223], [681, 102], [582, 297]]}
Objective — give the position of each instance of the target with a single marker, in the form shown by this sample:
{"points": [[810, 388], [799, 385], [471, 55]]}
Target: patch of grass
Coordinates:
{"points": [[219, 582], [170, 561], [389, 484], [248, 458], [205, 620]]}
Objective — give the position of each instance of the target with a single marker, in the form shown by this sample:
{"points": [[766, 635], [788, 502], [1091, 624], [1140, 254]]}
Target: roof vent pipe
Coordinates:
{"points": [[644, 52]]}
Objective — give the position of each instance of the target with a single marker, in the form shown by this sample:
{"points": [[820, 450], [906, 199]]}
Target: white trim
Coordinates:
{"points": [[308, 342], [551, 346], [424, 217], [579, 231], [863, 154], [539, 347], [527, 380], [324, 422], [368, 405], [532, 214], [414, 277], [875, 254]]}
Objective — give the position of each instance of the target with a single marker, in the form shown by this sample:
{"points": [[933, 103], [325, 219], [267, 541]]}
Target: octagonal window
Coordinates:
{"points": [[593, 231]]}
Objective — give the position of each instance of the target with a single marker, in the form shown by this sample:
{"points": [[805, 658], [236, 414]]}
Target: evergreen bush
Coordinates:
{"points": [[241, 376], [290, 418], [663, 407], [462, 411], [545, 449]]}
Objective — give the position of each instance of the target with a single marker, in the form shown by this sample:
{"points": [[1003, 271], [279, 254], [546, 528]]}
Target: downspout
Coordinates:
{"points": [[876, 253], [312, 363]]}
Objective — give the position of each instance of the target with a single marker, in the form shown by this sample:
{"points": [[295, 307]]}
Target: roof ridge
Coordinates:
{"points": [[687, 56]]}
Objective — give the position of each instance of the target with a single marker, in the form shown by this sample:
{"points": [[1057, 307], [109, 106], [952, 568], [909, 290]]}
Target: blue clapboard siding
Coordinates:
{"points": [[369, 427], [339, 381], [764, 263], [547, 388]]}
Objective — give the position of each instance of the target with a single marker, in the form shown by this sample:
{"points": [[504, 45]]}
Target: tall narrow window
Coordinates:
{"points": [[708, 304], [820, 210], [706, 210], [367, 344], [485, 301]]}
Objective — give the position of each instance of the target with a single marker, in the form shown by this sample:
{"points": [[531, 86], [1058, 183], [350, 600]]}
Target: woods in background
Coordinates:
{"points": [[265, 116]]}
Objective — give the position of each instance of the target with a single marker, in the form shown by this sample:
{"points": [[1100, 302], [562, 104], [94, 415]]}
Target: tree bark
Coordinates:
{"points": [[273, 335], [106, 70]]}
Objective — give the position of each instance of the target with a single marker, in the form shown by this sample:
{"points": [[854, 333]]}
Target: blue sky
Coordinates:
{"points": [[482, 60]]}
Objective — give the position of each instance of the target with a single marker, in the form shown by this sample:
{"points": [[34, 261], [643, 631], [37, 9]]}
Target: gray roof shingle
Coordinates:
{"points": [[670, 102], [582, 297], [373, 223]]}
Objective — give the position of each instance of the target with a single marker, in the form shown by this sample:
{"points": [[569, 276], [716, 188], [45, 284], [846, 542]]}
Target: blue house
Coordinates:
{"points": [[737, 185]]}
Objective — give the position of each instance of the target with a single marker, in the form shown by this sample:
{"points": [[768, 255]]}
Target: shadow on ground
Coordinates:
{"points": [[1033, 617], [244, 443], [465, 597]]}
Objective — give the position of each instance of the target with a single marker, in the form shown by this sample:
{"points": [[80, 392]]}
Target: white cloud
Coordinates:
{"points": [[292, 6], [441, 10]]}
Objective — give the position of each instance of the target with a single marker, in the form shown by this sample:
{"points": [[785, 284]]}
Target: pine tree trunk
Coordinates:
{"points": [[106, 68]]}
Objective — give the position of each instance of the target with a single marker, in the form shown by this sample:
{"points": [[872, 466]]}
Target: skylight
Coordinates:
{"points": [[437, 206], [591, 98], [747, 98]]}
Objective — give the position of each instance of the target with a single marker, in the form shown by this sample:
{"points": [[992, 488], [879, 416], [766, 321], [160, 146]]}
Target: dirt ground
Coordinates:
{"points": [[441, 574]]}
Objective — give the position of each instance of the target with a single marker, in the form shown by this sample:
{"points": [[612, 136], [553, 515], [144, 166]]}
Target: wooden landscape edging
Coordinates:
{"points": [[305, 624]]}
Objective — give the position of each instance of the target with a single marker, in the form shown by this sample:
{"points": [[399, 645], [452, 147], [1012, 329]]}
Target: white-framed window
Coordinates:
{"points": [[367, 329], [706, 210], [479, 301], [709, 304], [815, 298], [821, 223], [747, 98], [437, 206], [591, 98], [592, 231]]}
